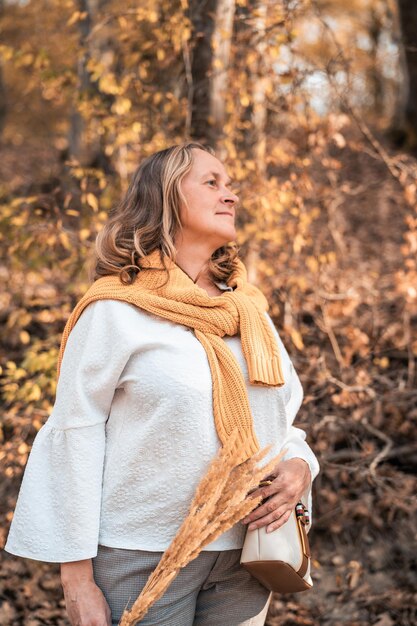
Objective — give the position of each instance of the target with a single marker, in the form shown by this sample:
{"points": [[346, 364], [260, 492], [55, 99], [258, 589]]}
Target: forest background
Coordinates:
{"points": [[313, 107]]}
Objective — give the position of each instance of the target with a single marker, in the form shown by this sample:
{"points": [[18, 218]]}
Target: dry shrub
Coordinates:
{"points": [[220, 501]]}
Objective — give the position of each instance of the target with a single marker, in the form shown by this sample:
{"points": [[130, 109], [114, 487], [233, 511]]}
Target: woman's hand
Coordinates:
{"points": [[84, 600], [292, 478], [86, 605]]}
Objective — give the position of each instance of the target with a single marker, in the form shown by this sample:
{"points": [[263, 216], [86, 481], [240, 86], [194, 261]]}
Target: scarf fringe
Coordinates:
{"points": [[265, 371]]}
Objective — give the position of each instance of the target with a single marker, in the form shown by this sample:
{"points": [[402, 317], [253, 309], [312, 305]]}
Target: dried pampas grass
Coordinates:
{"points": [[220, 501]]}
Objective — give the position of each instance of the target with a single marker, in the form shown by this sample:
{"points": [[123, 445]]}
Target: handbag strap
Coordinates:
{"points": [[302, 518]]}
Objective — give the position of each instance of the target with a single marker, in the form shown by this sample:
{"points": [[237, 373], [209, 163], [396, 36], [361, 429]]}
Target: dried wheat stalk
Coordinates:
{"points": [[220, 501]]}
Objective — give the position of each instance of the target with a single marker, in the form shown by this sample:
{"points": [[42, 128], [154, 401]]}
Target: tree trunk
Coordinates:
{"points": [[85, 142], [212, 24], [408, 25], [259, 76], [252, 31], [3, 104], [221, 42], [251, 36], [375, 77]]}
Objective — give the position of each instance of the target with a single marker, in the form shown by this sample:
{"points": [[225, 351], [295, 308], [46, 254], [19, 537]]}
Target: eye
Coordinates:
{"points": [[212, 181]]}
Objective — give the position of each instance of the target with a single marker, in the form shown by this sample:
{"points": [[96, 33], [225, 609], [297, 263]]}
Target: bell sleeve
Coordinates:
{"points": [[57, 514]]}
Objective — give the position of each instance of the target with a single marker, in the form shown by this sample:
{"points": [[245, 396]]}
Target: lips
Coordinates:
{"points": [[225, 213]]}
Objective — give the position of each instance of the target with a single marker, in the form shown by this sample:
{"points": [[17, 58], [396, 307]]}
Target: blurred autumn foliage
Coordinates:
{"points": [[312, 105]]}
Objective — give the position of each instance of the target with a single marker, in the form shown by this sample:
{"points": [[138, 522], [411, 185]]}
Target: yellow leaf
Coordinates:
{"points": [[297, 339], [24, 337], [121, 106], [19, 373], [92, 201], [143, 72], [108, 84], [339, 140], [74, 18], [312, 264], [35, 393], [84, 233], [64, 239], [6, 52], [298, 243], [382, 362], [27, 59]]}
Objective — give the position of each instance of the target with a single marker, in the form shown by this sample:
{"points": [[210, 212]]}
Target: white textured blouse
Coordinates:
{"points": [[131, 434]]}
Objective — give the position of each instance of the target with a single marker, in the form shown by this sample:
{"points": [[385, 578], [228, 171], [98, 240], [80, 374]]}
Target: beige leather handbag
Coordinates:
{"points": [[280, 560]]}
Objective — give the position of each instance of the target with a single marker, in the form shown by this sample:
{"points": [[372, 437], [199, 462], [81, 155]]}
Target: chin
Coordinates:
{"points": [[227, 236], [220, 237]]}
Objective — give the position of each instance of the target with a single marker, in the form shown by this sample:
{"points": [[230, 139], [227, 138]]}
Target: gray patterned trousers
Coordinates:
{"points": [[212, 590]]}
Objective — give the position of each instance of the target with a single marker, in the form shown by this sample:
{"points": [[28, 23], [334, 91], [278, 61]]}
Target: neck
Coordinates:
{"points": [[193, 261]]}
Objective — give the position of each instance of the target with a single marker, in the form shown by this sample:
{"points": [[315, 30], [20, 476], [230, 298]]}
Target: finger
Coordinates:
{"points": [[280, 522], [268, 490], [268, 507], [259, 492], [266, 494], [266, 520], [288, 488], [254, 494]]}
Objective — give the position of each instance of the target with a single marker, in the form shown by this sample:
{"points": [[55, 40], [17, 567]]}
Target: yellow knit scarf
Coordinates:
{"points": [[211, 318]]}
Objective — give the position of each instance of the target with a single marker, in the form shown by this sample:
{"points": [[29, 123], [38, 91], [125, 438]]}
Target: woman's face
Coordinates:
{"points": [[209, 218]]}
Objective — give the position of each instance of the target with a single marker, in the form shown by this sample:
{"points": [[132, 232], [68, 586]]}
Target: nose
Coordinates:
{"points": [[230, 198]]}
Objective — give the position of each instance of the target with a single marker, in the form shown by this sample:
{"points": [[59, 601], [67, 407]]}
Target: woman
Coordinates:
{"points": [[157, 347]]}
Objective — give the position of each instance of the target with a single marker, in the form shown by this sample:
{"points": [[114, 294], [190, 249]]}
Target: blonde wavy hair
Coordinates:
{"points": [[148, 217]]}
